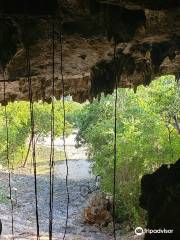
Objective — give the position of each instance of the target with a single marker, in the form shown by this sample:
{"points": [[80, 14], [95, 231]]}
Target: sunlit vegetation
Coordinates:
{"points": [[148, 135], [19, 130]]}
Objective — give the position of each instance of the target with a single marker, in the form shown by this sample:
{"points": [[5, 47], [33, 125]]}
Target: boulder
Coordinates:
{"points": [[98, 210]]}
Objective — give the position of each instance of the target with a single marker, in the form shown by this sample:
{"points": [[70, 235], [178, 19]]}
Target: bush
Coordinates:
{"points": [[147, 136]]}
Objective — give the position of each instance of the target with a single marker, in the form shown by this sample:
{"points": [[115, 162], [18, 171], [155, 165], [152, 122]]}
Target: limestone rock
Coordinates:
{"points": [[146, 32], [98, 210]]}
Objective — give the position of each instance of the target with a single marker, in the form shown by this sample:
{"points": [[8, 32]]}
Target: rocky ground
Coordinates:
{"points": [[24, 210]]}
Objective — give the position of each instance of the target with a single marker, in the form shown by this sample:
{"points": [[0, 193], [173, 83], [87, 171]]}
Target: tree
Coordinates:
{"points": [[19, 126], [143, 124]]}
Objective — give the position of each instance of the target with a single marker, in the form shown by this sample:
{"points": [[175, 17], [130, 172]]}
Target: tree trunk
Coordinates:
{"points": [[27, 155]]}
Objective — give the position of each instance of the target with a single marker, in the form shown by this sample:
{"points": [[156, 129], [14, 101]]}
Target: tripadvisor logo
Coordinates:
{"points": [[140, 231]]}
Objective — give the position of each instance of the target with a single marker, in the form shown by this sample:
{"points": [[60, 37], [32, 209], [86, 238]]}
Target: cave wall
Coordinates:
{"points": [[146, 35], [160, 196]]}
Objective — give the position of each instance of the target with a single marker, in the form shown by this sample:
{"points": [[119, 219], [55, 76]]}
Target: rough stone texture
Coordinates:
{"points": [[160, 197], [147, 35], [24, 209], [98, 210]]}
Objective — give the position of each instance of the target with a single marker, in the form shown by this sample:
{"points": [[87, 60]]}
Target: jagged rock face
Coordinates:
{"points": [[160, 196], [146, 35]]}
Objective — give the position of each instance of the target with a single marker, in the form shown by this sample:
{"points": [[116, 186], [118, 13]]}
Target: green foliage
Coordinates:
{"points": [[18, 130], [19, 126], [3, 199], [147, 136]]}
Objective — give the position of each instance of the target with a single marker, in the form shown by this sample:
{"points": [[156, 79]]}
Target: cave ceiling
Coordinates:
{"points": [[143, 34]]}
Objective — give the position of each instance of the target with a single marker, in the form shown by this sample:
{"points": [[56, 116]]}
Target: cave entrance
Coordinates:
{"points": [[84, 48]]}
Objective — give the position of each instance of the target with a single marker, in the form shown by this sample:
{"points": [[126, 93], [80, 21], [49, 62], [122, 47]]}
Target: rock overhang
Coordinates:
{"points": [[147, 35]]}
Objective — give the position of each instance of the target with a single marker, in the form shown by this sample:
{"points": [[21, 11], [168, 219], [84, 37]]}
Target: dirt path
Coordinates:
{"points": [[24, 210]]}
